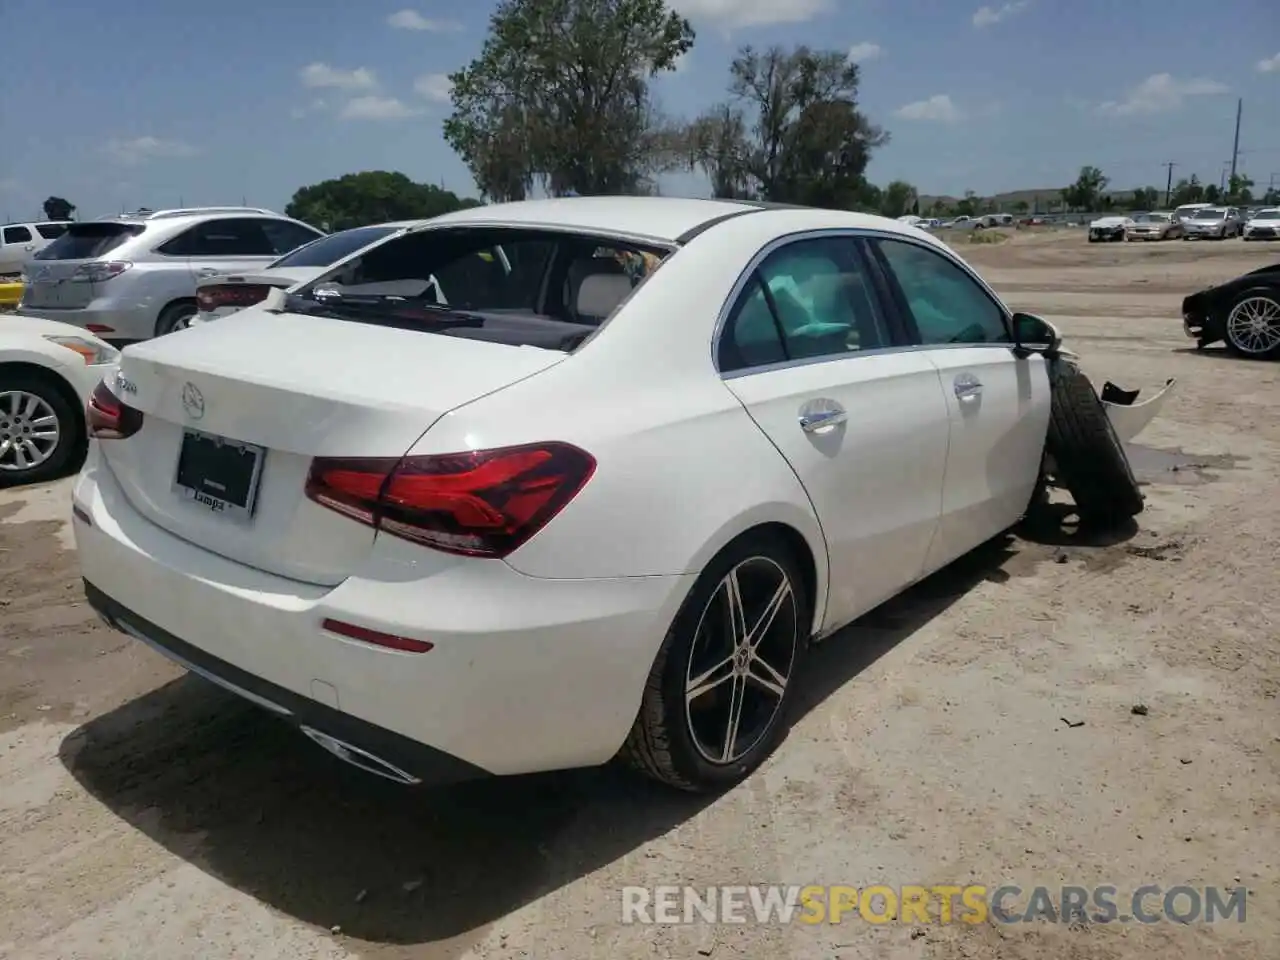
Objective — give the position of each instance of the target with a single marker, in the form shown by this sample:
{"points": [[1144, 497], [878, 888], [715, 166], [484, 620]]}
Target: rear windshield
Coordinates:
{"points": [[51, 231], [84, 241], [329, 250], [506, 284]]}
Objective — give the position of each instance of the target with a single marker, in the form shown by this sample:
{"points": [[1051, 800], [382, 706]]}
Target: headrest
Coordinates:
{"points": [[600, 293]]}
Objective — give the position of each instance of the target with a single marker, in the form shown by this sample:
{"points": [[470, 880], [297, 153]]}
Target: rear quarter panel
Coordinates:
{"points": [[681, 471]]}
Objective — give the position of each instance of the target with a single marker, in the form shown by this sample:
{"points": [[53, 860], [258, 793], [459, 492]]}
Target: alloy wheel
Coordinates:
{"points": [[741, 660], [29, 431], [1253, 326]]}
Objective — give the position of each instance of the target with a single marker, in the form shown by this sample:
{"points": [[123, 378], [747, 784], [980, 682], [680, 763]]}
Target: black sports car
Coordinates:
{"points": [[1244, 313]]}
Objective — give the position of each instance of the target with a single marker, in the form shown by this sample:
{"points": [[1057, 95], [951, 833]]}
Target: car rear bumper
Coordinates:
{"points": [[525, 674], [103, 318]]}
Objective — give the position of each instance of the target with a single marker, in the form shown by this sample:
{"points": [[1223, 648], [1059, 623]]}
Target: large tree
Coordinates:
{"points": [[373, 196], [791, 132], [57, 208], [560, 95], [1086, 192]]}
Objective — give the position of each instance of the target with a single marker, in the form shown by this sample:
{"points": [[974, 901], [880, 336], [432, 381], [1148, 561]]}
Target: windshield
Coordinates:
{"points": [[1209, 214], [329, 250], [1151, 218], [1271, 213], [520, 286]]}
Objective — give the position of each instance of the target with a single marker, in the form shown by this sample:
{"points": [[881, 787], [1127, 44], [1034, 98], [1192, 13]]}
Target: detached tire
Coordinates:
{"points": [[681, 733], [1089, 459]]}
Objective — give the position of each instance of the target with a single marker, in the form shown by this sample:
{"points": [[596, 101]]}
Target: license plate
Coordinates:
{"points": [[218, 474]]}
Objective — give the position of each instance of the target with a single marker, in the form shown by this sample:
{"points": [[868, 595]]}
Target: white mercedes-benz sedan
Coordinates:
{"points": [[586, 484]]}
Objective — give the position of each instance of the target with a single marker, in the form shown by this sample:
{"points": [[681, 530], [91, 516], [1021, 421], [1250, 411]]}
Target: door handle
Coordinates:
{"points": [[206, 272], [967, 385], [809, 422]]}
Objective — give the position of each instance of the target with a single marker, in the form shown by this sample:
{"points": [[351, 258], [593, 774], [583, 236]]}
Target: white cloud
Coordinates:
{"points": [[413, 20], [1160, 93], [323, 75], [318, 105], [989, 16], [729, 14], [376, 108], [1269, 64], [938, 109], [434, 87], [862, 52], [141, 149]]}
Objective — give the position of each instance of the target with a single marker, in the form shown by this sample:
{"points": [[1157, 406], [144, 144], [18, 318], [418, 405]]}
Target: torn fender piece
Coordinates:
{"points": [[1129, 415]]}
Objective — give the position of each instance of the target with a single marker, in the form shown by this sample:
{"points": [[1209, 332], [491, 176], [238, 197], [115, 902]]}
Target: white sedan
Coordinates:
{"points": [[48, 371], [598, 503]]}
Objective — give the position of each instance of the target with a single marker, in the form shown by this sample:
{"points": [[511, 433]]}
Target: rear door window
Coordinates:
{"points": [[85, 241], [17, 235], [230, 237]]}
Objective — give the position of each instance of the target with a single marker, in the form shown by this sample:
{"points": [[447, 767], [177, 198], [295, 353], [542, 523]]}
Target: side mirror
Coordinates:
{"points": [[1032, 334]]}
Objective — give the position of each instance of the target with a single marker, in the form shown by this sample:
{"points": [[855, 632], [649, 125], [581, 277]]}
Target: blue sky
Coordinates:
{"points": [[153, 102]]}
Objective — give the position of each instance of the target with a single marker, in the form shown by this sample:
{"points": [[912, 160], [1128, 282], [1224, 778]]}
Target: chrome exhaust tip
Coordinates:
{"points": [[362, 759]]}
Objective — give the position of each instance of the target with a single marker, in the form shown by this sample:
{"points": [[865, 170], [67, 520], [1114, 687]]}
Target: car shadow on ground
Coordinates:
{"points": [[245, 798]]}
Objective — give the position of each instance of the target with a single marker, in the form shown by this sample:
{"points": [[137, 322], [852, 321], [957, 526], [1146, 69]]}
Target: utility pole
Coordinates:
{"points": [[1168, 182], [1235, 146]]}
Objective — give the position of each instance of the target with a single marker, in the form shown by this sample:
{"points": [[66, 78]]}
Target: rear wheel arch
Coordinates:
{"points": [[798, 545], [169, 309]]}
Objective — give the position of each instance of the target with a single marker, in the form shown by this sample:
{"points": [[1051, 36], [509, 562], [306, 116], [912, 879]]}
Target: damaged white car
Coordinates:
{"points": [[1110, 229], [647, 451]]}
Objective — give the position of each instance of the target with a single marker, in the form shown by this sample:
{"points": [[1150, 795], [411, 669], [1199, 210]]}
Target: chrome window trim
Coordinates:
{"points": [[850, 233]]}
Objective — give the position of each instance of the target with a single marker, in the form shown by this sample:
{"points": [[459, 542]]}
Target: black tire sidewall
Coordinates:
{"points": [[1090, 459], [685, 758], [70, 429], [173, 314]]}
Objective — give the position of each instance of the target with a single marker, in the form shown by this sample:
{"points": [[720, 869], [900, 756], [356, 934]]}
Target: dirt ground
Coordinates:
{"points": [[977, 730]]}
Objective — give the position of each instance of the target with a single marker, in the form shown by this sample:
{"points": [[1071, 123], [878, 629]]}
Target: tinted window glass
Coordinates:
{"points": [[51, 231], [17, 235], [222, 238], [948, 305], [751, 337], [84, 241], [329, 250], [286, 236]]}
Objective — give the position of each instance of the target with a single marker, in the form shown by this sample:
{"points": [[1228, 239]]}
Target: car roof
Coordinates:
{"points": [[671, 220]]}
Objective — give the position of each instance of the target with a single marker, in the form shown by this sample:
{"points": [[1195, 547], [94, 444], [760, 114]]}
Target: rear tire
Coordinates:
{"points": [[26, 401], [681, 741], [175, 316], [1090, 460]]}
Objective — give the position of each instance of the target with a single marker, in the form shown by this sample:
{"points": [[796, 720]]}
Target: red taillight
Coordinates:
{"points": [[485, 503], [109, 418], [230, 295]]}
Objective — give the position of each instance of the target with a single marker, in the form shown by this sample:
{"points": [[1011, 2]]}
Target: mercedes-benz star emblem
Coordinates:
{"points": [[192, 401]]}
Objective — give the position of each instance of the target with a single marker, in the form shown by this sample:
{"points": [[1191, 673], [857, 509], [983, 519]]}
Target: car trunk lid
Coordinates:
{"points": [[235, 412]]}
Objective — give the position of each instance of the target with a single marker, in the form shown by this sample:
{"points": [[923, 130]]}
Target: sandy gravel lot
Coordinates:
{"points": [[145, 815]]}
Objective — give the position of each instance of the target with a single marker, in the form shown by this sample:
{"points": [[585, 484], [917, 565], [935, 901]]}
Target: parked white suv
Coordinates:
{"points": [[19, 242], [134, 277]]}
